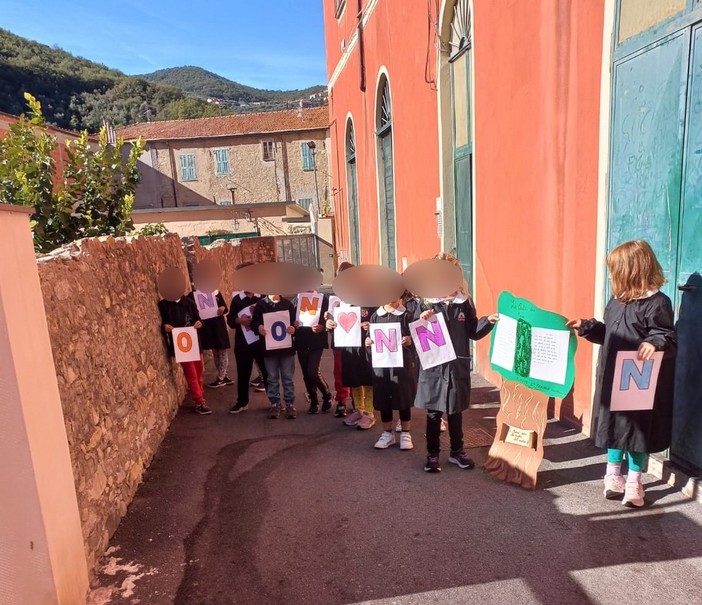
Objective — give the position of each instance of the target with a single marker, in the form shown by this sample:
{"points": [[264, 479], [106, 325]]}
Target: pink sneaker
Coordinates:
{"points": [[366, 421], [613, 487], [353, 418], [633, 494]]}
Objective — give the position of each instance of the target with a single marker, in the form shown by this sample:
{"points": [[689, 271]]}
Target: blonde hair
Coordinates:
{"points": [[634, 270], [454, 261]]}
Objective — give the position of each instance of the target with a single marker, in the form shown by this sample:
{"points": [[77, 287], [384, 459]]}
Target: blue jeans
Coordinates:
{"points": [[280, 368]]}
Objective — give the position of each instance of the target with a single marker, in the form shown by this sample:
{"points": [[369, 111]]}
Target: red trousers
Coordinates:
{"points": [[342, 392], [193, 371]]}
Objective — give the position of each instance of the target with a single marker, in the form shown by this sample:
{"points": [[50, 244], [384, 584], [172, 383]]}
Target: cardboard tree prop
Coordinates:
{"points": [[534, 351]]}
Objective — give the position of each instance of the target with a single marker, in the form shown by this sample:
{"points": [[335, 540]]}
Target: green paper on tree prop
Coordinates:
{"points": [[533, 347]]}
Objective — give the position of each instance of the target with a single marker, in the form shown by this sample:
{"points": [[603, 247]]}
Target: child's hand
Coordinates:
{"points": [[494, 318], [221, 310], [262, 331], [327, 316], [646, 350], [167, 328], [317, 329], [331, 324], [298, 323], [369, 342], [291, 329], [365, 325], [427, 314], [574, 323], [244, 320], [406, 341], [197, 325]]}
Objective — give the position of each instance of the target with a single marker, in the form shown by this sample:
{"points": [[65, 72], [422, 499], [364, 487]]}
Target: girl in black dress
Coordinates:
{"points": [[638, 317]]}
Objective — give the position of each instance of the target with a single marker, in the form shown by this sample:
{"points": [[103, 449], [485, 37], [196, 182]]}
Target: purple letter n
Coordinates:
{"points": [[389, 340], [425, 335]]}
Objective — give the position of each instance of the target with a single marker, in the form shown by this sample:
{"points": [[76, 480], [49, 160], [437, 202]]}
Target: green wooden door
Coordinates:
{"points": [[387, 223], [464, 213], [687, 419], [354, 243]]}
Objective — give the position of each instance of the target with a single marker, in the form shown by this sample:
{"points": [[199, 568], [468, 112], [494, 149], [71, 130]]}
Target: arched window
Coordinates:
{"points": [[352, 188], [386, 177]]}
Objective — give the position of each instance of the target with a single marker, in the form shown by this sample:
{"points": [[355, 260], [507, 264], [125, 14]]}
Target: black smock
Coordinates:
{"points": [[356, 370], [446, 388], [624, 328], [182, 313], [214, 334], [395, 388], [266, 305]]}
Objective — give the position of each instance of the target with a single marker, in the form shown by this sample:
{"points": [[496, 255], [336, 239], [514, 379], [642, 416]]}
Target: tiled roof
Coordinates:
{"points": [[311, 118]]}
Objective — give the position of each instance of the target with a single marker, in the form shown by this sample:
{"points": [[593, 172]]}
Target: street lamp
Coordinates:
{"points": [[314, 215]]}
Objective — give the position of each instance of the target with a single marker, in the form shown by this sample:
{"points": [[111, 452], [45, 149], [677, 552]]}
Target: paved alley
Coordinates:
{"points": [[240, 509]]}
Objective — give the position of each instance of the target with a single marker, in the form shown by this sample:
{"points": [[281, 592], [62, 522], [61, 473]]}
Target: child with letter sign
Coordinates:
{"points": [[445, 388], [183, 313], [394, 370], [638, 317], [274, 318]]}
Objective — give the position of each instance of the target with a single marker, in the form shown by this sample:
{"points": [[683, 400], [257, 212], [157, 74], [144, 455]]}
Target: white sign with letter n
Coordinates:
{"points": [[386, 350]]}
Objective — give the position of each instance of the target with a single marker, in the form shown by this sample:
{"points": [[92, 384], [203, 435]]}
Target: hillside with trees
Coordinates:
{"points": [[79, 94]]}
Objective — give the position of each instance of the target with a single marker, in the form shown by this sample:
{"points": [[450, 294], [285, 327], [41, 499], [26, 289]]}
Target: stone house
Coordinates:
{"points": [[259, 173]]}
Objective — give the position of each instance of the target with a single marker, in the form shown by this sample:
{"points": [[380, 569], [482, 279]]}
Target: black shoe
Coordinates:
{"points": [[314, 408], [202, 409], [340, 410], [462, 460], [432, 464], [326, 404], [217, 383], [291, 412], [256, 381], [239, 407], [228, 382]]}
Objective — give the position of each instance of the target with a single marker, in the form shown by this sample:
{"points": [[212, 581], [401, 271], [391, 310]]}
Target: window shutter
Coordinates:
{"points": [[307, 157]]}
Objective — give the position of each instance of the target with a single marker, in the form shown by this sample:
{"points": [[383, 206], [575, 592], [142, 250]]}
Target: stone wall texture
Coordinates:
{"points": [[119, 387]]}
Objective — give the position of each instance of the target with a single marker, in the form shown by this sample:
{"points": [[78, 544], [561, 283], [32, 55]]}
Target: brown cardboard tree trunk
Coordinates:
{"points": [[518, 449]]}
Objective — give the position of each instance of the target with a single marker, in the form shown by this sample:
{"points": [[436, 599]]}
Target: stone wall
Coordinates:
{"points": [[119, 388]]}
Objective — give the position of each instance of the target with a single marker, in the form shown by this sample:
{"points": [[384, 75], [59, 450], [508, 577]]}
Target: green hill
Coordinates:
{"points": [[80, 94], [205, 84]]}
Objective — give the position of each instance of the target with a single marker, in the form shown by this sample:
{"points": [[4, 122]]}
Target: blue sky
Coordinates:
{"points": [[277, 44]]}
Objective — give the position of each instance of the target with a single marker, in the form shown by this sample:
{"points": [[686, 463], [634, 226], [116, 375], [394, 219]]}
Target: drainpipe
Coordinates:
{"points": [[173, 174], [361, 52]]}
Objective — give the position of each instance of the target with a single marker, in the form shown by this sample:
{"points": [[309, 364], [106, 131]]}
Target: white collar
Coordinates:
{"points": [[456, 300], [648, 294], [382, 312]]}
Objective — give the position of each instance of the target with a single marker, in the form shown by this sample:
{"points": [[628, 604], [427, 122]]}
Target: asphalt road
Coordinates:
{"points": [[246, 510]]}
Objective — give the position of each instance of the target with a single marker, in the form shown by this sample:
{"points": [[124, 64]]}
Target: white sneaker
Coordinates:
{"points": [[444, 426], [398, 426], [406, 441], [385, 441]]}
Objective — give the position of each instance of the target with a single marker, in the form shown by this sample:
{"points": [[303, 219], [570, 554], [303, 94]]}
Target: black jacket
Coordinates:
{"points": [[238, 304], [179, 314], [306, 339]]}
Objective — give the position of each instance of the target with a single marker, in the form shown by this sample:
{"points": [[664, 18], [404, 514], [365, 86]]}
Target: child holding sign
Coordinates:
{"points": [[182, 313], [394, 388], [445, 389], [214, 335], [274, 318], [248, 346], [310, 341], [638, 317]]}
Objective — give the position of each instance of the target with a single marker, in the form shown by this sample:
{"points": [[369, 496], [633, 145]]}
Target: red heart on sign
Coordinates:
{"points": [[347, 321]]}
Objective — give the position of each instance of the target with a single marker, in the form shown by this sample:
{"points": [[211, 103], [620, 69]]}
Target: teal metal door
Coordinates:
{"points": [[687, 420], [464, 214], [647, 147], [656, 194]]}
